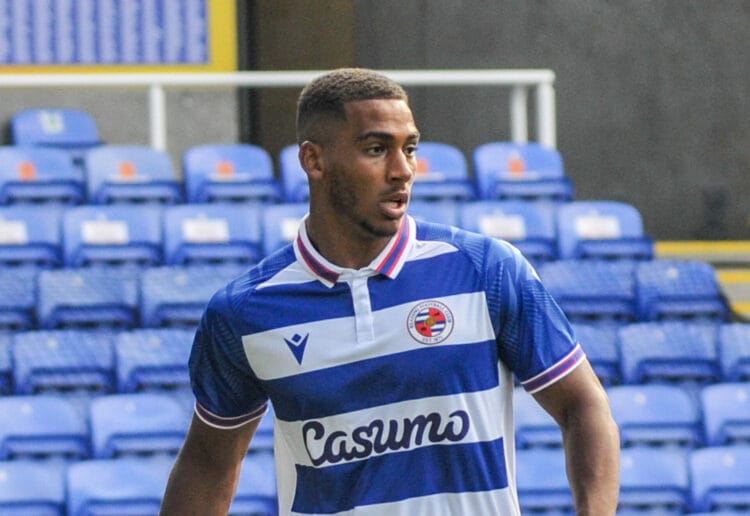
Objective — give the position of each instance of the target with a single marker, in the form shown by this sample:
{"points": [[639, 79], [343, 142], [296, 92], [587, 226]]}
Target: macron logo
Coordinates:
{"points": [[297, 346]]}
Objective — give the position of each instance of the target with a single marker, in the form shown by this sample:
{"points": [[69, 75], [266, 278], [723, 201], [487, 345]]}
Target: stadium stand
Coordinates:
{"points": [[152, 359], [442, 174], [734, 351], [599, 341], [293, 177], [535, 428], [6, 364], [280, 225], [442, 212], [256, 489], [33, 175], [726, 413], [18, 301], [719, 479], [542, 482], [654, 481], [32, 487], [31, 236], [230, 173]]}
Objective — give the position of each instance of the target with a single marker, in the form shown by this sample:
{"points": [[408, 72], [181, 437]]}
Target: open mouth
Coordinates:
{"points": [[395, 205]]}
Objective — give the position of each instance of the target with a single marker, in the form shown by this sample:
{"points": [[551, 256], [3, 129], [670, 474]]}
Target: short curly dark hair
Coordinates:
{"points": [[325, 96]]}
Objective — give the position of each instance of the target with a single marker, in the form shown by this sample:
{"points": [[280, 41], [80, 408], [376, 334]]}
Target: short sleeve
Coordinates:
{"points": [[535, 338], [227, 392]]}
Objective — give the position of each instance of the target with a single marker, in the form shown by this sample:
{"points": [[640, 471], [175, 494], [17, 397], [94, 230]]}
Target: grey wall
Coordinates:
{"points": [[652, 96]]}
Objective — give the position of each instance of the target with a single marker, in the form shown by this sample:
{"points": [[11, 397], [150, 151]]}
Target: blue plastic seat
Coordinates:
{"points": [[38, 175], [671, 351], [440, 212], [123, 487], [136, 423], [442, 174], [41, 426], [177, 296], [18, 300], [6, 365], [103, 297], [256, 490], [71, 130], [726, 413], [719, 478], [131, 174], [153, 359], [236, 172], [592, 291], [528, 226], [734, 351], [535, 427], [599, 341], [678, 289], [30, 236], [602, 230], [112, 235], [652, 415], [527, 171], [212, 233], [31, 487], [280, 225], [63, 360], [654, 481], [293, 176], [542, 482]]}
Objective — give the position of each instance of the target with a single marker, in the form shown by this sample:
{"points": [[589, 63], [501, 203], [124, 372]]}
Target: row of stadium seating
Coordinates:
{"points": [[54, 236], [58, 155]]}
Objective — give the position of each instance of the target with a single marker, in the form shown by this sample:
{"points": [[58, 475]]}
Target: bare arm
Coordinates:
{"points": [[580, 406], [204, 478]]}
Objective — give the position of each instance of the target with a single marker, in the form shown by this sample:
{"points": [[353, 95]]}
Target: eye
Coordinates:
{"points": [[375, 149], [410, 150]]}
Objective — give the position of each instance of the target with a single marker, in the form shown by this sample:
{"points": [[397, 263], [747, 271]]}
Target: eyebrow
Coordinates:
{"points": [[384, 136]]}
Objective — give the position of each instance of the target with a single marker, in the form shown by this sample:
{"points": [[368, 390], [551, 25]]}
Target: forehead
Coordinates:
{"points": [[391, 116]]}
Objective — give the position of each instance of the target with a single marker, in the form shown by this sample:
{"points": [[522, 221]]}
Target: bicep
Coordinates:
{"points": [[222, 447]]}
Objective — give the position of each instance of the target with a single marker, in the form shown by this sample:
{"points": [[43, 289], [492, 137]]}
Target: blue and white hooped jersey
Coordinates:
{"points": [[391, 385]]}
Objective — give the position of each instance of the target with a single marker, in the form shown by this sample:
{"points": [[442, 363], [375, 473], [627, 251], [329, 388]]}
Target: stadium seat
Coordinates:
{"points": [[131, 174], [678, 289], [542, 482], [726, 413], [671, 351], [153, 359], [528, 226], [112, 235], [125, 487], [256, 490], [527, 171], [38, 175], [237, 172], [177, 296], [72, 130], [32, 487], [103, 297], [734, 351], [293, 176], [212, 233], [30, 236], [592, 291], [608, 230], [535, 428], [654, 481], [136, 424], [599, 341], [18, 300], [280, 225], [6, 364], [720, 479], [442, 174], [41, 426], [440, 212], [655, 415], [263, 438]]}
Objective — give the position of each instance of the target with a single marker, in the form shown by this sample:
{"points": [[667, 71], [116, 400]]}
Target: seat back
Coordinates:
{"points": [[528, 226], [31, 487], [719, 478], [726, 413], [442, 174], [603, 230], [280, 225], [131, 174], [112, 235], [734, 351], [535, 428], [440, 212], [236, 172], [293, 176], [38, 175], [153, 359], [30, 235], [212, 233], [654, 481], [542, 481], [18, 302], [599, 341], [256, 490]]}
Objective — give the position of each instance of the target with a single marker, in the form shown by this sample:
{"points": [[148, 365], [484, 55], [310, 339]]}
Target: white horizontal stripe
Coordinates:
{"points": [[501, 503], [485, 422], [291, 275], [332, 342]]}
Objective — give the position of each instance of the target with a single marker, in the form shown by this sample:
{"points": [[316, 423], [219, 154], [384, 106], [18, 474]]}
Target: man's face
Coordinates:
{"points": [[370, 166]]}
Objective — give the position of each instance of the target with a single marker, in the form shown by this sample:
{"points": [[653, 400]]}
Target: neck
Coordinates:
{"points": [[345, 250]]}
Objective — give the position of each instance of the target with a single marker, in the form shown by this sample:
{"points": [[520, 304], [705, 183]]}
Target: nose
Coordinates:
{"points": [[402, 167]]}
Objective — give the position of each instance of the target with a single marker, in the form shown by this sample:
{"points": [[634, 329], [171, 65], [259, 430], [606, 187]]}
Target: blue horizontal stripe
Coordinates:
{"points": [[383, 380], [457, 468]]}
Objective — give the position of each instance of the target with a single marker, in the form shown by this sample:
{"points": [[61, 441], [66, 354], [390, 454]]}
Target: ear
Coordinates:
{"points": [[311, 159]]}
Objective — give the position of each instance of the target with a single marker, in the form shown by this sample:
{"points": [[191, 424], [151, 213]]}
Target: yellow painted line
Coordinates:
{"points": [[734, 275], [702, 246], [741, 307]]}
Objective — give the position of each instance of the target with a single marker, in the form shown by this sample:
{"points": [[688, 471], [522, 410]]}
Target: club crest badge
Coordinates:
{"points": [[430, 322]]}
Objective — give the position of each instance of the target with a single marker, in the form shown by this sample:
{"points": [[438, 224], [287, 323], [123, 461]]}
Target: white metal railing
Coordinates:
{"points": [[519, 82]]}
